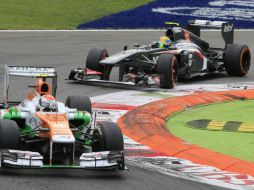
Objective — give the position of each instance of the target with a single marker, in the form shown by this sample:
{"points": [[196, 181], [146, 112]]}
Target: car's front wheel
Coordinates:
{"points": [[107, 137], [167, 69], [9, 134], [94, 57]]}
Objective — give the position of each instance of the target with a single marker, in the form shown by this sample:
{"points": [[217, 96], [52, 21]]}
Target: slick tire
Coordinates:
{"points": [[237, 59], [107, 137], [167, 69], [9, 134], [81, 103], [94, 56]]}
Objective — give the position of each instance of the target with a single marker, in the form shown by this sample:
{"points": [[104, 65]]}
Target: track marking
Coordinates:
{"points": [[114, 30], [216, 125], [246, 127]]}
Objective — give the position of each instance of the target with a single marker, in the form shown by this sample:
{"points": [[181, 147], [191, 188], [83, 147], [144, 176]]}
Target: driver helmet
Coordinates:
{"points": [[42, 87], [165, 42], [48, 102]]}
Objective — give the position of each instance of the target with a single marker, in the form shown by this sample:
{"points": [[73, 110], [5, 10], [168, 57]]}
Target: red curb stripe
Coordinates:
{"points": [[146, 125]]}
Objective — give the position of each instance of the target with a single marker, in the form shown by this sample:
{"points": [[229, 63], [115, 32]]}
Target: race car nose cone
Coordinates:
{"points": [[63, 139]]}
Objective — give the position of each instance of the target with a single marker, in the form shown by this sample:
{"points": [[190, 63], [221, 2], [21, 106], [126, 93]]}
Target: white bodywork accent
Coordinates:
{"points": [[25, 71], [112, 82], [63, 139], [190, 47], [30, 71], [208, 23], [96, 159], [24, 158], [204, 64], [116, 58], [28, 108], [186, 46]]}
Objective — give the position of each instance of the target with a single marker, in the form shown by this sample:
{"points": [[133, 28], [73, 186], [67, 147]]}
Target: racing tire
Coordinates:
{"points": [[94, 56], [9, 134], [237, 59], [107, 137], [167, 69], [81, 103]]}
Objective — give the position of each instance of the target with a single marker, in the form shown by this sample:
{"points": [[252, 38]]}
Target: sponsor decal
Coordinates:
{"points": [[32, 69], [156, 13], [34, 121], [25, 154], [95, 155], [23, 104], [228, 28], [225, 10], [209, 12], [62, 137]]}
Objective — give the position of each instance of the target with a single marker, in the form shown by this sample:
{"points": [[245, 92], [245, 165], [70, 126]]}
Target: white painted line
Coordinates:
{"points": [[88, 30], [114, 30]]}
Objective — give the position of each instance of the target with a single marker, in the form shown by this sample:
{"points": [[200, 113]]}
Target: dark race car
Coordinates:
{"points": [[162, 63]]}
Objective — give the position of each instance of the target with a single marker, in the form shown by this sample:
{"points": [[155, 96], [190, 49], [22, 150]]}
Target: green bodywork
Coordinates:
{"points": [[84, 116], [86, 119], [12, 113], [76, 167], [27, 130]]}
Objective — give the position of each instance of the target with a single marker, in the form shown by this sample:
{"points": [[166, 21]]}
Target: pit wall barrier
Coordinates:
{"points": [[147, 125]]}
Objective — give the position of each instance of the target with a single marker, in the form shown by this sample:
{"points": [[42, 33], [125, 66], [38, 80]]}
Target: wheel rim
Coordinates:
{"points": [[174, 72], [97, 144], [105, 70], [245, 60], [104, 55]]}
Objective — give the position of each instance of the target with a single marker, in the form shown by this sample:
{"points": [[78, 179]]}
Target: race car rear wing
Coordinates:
{"points": [[37, 72], [227, 28], [26, 71]]}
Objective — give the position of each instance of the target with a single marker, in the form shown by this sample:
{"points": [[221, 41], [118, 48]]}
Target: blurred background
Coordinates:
{"points": [[119, 14]]}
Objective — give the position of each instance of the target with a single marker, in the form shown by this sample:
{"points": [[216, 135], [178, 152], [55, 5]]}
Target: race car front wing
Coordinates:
{"points": [[84, 76], [94, 160]]}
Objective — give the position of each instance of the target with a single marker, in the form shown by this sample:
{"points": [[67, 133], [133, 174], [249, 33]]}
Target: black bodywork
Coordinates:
{"points": [[194, 57]]}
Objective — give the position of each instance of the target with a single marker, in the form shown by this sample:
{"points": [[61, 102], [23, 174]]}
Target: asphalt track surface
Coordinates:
{"points": [[65, 51]]}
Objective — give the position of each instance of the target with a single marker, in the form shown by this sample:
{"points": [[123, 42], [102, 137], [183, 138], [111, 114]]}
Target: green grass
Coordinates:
{"points": [[58, 14], [236, 144]]}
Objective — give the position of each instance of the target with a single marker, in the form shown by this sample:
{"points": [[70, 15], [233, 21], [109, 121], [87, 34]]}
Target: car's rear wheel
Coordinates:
{"points": [[237, 60], [94, 56], [81, 103], [167, 69], [9, 134], [107, 137]]}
